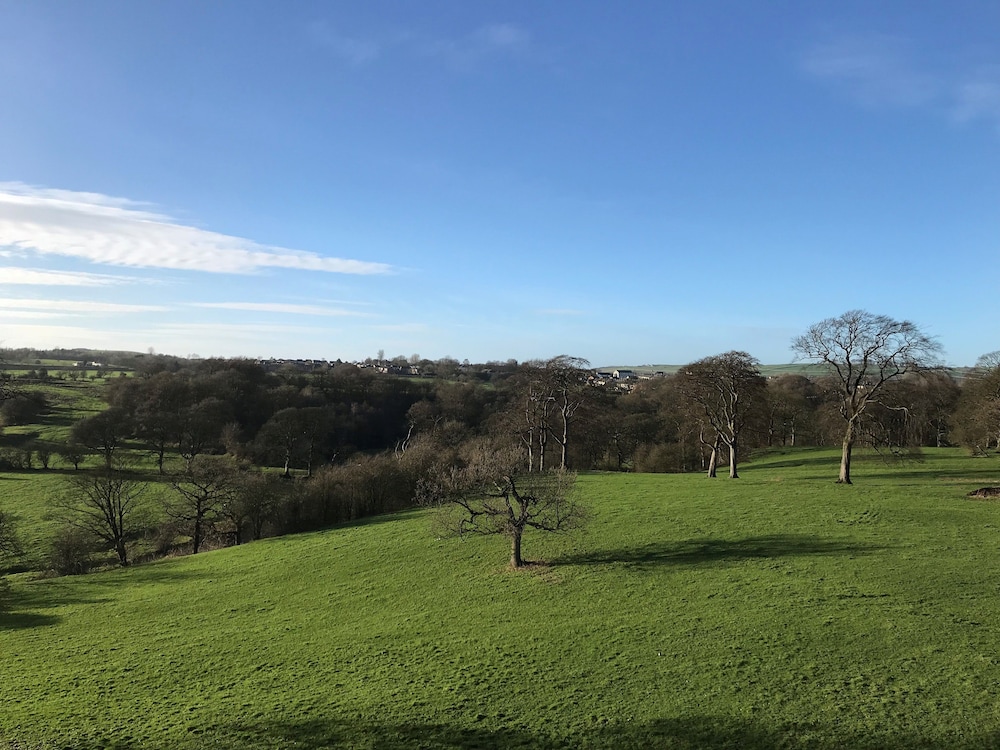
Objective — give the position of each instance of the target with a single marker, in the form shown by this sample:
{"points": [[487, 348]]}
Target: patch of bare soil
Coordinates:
{"points": [[985, 492]]}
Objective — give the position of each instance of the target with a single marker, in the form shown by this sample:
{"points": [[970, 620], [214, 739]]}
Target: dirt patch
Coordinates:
{"points": [[984, 492]]}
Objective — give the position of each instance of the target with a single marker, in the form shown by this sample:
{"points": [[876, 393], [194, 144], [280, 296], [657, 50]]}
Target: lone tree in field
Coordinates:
{"points": [[493, 493], [105, 504], [725, 387], [864, 352]]}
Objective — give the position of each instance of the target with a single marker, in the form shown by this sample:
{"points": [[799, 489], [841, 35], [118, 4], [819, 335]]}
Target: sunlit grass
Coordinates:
{"points": [[777, 610]]}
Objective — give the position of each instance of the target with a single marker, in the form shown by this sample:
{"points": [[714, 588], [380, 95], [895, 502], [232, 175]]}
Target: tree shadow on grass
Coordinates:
{"points": [[679, 733], [319, 733], [765, 462], [712, 551], [25, 620], [26, 604]]}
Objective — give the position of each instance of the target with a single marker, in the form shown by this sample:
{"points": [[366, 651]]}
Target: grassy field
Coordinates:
{"points": [[778, 610]]}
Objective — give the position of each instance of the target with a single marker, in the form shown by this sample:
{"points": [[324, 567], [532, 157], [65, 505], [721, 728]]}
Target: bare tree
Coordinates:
{"points": [[105, 432], [725, 387], [864, 352], [10, 543], [72, 453], [10, 548], [8, 389], [492, 493], [566, 380], [552, 393], [204, 490], [979, 406], [200, 428], [105, 504]]}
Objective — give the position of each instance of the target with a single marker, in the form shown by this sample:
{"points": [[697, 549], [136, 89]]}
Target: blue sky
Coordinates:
{"points": [[631, 182]]}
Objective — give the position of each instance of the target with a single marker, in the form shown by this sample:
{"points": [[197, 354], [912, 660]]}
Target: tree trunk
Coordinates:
{"points": [[845, 456], [122, 553], [732, 460], [196, 536], [515, 548], [713, 460]]}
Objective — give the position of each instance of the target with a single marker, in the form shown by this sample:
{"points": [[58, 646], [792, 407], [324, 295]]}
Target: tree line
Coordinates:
{"points": [[248, 451]]}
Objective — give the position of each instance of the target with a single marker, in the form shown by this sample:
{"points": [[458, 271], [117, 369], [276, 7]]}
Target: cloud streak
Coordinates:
{"points": [[883, 71], [281, 308], [74, 306], [495, 40], [877, 70], [40, 277], [118, 232]]}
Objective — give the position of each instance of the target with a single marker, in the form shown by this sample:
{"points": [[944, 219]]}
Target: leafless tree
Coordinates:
{"points": [[206, 487], [10, 544], [493, 493], [105, 504], [725, 387], [864, 352], [566, 380], [553, 391], [8, 389], [979, 406], [105, 432]]}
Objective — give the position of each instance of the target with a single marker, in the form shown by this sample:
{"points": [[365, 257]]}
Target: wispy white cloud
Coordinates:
{"points": [[353, 50], [119, 232], [30, 315], [877, 70], [278, 307], [44, 336], [885, 71], [462, 51], [490, 41], [231, 329], [74, 306], [40, 277], [978, 96]]}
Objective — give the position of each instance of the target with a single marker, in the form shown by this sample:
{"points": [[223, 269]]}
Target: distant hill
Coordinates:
{"points": [[809, 369], [793, 368]]}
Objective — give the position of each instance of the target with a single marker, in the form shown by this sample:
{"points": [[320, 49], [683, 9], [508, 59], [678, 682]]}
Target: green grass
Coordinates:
{"points": [[778, 610], [33, 497], [68, 403]]}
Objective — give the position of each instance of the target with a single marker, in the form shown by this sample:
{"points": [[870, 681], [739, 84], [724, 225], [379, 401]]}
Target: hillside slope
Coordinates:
{"points": [[778, 610]]}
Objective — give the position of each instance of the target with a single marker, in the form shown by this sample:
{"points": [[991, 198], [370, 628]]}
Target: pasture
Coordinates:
{"points": [[777, 610]]}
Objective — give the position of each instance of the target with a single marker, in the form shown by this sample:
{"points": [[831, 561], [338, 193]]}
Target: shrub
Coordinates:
{"points": [[70, 552]]}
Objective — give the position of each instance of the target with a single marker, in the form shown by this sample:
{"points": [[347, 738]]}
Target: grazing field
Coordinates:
{"points": [[777, 610]]}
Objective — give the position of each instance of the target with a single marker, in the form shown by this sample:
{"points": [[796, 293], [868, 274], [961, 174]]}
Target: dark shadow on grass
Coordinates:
{"points": [[25, 620], [791, 461], [680, 733], [712, 551], [27, 603]]}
